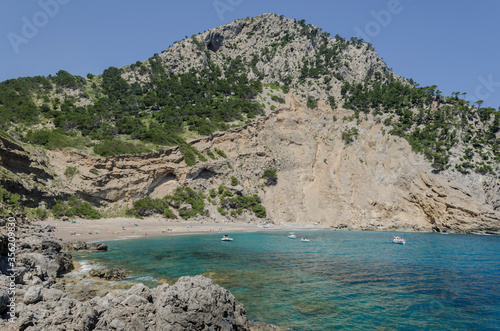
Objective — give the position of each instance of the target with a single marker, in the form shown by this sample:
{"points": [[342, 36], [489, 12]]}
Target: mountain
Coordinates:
{"points": [[263, 119]]}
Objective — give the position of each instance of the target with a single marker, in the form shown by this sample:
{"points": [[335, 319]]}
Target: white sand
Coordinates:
{"points": [[126, 228]]}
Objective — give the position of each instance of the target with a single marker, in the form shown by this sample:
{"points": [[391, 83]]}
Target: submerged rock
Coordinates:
{"points": [[109, 274]]}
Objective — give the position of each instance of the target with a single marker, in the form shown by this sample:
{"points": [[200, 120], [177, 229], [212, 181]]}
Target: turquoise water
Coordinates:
{"points": [[339, 280]]}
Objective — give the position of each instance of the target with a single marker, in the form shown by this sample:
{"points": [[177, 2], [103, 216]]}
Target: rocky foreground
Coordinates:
{"points": [[38, 302]]}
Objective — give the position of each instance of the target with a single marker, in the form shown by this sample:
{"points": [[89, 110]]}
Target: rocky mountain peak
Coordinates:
{"points": [[273, 48]]}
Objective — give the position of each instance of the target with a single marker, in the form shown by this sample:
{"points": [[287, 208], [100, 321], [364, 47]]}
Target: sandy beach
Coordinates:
{"points": [[128, 228]]}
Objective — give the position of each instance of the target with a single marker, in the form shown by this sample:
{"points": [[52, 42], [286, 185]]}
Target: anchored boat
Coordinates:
{"points": [[226, 238], [398, 240]]}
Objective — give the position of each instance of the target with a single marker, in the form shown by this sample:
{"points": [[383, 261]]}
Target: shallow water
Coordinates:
{"points": [[339, 280]]}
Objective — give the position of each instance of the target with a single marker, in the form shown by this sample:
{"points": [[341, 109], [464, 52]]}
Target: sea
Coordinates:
{"points": [[339, 280]]}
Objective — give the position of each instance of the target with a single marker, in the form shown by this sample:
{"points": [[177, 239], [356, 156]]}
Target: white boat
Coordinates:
{"points": [[226, 238], [292, 236], [398, 240], [304, 240]]}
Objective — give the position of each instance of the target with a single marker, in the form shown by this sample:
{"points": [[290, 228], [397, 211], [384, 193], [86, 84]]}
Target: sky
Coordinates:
{"points": [[454, 44]]}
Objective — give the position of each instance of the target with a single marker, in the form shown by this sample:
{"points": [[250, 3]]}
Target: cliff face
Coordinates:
{"points": [[374, 182]]}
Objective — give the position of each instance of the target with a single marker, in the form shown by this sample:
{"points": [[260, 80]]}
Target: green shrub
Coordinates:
{"points": [[277, 99], [11, 200], [210, 154], [350, 135], [189, 196], [259, 211], [189, 152], [116, 147], [234, 181], [240, 203], [331, 101], [221, 211], [221, 188], [74, 207], [51, 139], [37, 214], [70, 172], [189, 156], [220, 152], [59, 209], [271, 176], [312, 103], [81, 208]]}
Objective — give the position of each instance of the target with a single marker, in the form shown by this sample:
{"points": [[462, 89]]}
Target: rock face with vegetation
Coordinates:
{"points": [[263, 119]]}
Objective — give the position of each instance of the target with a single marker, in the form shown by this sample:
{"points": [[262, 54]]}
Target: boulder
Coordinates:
{"points": [[4, 298], [97, 247], [196, 303], [33, 295], [52, 294], [74, 246], [41, 265]]}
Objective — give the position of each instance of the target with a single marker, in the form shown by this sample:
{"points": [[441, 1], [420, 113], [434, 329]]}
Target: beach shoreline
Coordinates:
{"points": [[124, 228]]}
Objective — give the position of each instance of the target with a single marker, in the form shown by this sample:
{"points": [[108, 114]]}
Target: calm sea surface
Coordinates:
{"points": [[339, 280]]}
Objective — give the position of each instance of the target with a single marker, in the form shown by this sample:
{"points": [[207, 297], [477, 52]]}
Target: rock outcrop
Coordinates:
{"points": [[193, 303], [82, 246]]}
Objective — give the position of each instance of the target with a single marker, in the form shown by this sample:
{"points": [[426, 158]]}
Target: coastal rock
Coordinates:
{"points": [[196, 303], [52, 294], [40, 265], [80, 245], [33, 295], [74, 246], [97, 247], [4, 298], [141, 290], [109, 274]]}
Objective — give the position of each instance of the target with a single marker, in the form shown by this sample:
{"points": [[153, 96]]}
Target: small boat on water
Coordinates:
{"points": [[226, 238], [398, 240], [292, 235], [304, 240]]}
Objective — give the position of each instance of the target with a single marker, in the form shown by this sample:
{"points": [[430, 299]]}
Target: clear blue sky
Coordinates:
{"points": [[454, 44]]}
